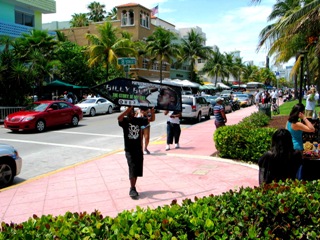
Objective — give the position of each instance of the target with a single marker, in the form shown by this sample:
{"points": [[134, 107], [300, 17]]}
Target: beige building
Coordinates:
{"points": [[138, 21]]}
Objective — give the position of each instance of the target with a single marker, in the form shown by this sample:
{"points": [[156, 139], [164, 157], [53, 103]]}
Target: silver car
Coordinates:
{"points": [[195, 107], [10, 164], [93, 106]]}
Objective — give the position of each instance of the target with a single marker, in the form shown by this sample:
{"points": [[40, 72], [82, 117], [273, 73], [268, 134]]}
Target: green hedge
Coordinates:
{"points": [[284, 210], [246, 141]]}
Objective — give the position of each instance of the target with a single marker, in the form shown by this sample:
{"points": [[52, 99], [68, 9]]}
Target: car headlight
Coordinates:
{"points": [[26, 119]]}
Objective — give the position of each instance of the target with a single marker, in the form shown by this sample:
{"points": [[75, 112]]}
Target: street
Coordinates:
{"points": [[61, 147]]}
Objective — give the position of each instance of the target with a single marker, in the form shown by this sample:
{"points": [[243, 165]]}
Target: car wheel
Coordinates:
{"points": [[92, 112], [7, 172], [40, 126], [110, 110], [74, 121], [208, 116], [198, 119]]}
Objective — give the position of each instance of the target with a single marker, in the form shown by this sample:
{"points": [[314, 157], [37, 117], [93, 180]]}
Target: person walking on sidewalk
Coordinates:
{"points": [[173, 128], [133, 145], [148, 114], [219, 113]]}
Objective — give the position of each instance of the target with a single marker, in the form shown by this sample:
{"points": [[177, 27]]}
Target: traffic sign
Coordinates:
{"points": [[126, 61]]}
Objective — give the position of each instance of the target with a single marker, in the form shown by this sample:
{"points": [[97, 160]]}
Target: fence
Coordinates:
{"points": [[4, 111]]}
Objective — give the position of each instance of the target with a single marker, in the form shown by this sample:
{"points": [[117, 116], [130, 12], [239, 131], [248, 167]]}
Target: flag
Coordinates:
{"points": [[154, 10]]}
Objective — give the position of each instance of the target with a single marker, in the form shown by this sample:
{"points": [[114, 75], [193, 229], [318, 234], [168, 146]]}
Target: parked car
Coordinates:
{"points": [[195, 107], [10, 164], [97, 105], [244, 99], [226, 102], [42, 114], [226, 93]]}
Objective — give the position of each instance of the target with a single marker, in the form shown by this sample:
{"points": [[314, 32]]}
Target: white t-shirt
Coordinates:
{"points": [[173, 119], [311, 105]]}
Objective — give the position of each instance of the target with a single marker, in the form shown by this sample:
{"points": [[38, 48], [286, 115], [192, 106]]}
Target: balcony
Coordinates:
{"points": [[43, 6], [13, 30]]}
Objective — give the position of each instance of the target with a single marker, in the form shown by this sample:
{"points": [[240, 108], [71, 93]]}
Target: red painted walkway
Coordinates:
{"points": [[103, 183]]}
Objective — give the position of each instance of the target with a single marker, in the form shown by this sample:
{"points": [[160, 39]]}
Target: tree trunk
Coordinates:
{"points": [[161, 71]]}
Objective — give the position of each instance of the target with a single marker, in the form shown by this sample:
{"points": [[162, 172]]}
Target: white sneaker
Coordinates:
{"points": [[167, 147], [177, 145]]}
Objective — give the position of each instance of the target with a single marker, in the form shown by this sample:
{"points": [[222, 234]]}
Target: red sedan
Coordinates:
{"points": [[43, 114]]}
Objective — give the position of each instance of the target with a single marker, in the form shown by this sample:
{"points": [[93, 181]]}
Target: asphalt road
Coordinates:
{"points": [[60, 147]]}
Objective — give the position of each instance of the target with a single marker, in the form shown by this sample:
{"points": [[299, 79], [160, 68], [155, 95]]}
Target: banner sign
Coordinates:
{"points": [[127, 92]]}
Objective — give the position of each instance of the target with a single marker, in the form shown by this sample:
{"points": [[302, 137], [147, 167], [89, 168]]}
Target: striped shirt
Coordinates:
{"points": [[217, 110]]}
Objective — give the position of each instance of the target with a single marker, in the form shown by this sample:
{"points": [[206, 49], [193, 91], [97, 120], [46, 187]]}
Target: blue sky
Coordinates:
{"points": [[229, 24]]}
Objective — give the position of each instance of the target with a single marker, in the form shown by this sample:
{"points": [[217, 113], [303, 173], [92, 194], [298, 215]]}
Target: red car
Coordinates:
{"points": [[43, 114]]}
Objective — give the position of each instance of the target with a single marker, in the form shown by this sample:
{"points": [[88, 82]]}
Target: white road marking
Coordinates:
{"points": [[56, 144], [90, 134]]}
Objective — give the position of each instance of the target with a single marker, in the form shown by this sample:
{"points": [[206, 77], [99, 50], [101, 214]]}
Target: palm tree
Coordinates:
{"points": [[215, 66], [97, 11], [79, 20], [112, 15], [192, 48], [37, 51], [161, 47], [107, 47]]}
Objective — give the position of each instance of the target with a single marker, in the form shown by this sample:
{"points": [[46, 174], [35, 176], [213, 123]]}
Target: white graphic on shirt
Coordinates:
{"points": [[133, 131]]}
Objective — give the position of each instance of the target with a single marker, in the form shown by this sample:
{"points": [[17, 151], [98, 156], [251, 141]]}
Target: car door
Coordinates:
{"points": [[204, 106], [102, 105], [66, 112], [53, 116]]}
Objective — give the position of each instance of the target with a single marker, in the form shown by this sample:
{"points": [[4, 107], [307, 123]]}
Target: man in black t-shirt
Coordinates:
{"points": [[132, 133]]}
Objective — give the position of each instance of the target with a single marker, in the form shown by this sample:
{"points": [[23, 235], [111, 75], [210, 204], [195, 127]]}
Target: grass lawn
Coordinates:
{"points": [[286, 107]]}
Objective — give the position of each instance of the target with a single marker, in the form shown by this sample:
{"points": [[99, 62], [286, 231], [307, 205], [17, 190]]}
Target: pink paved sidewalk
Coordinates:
{"points": [[103, 183]]}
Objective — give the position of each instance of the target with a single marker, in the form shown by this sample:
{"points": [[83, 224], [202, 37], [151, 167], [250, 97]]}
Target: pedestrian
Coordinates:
{"points": [[219, 113], [281, 161], [173, 128], [296, 127], [148, 114], [132, 133], [312, 98]]}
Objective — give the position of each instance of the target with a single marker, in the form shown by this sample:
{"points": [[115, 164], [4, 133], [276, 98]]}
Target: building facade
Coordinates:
{"points": [[21, 16], [136, 20]]}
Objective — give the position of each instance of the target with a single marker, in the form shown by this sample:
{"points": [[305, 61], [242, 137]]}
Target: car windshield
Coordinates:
{"points": [[89, 100], [38, 107], [242, 95]]}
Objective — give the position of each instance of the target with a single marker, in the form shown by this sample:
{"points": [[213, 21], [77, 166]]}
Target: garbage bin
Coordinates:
{"points": [[265, 108]]}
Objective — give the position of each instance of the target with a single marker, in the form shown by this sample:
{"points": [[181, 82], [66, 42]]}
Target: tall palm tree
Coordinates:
{"points": [[107, 47], [161, 47], [112, 15], [215, 66], [79, 20], [192, 48], [97, 11]]}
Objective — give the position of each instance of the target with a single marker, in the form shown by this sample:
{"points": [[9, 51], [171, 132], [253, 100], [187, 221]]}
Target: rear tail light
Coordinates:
{"points": [[194, 108]]}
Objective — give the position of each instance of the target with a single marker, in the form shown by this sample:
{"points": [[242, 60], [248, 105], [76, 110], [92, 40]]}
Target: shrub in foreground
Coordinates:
{"points": [[284, 210]]}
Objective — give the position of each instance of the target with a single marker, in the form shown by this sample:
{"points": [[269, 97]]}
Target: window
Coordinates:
{"points": [[144, 19], [22, 18], [127, 18], [145, 63]]}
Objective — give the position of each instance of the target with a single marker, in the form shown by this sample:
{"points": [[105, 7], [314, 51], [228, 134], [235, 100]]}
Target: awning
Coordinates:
{"points": [[58, 83]]}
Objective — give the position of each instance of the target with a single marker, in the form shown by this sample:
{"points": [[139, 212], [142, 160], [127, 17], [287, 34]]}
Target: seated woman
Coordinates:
{"points": [[296, 127], [281, 161]]}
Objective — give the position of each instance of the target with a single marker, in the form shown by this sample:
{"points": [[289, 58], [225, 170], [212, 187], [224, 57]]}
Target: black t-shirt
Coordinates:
{"points": [[273, 169], [132, 133]]}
